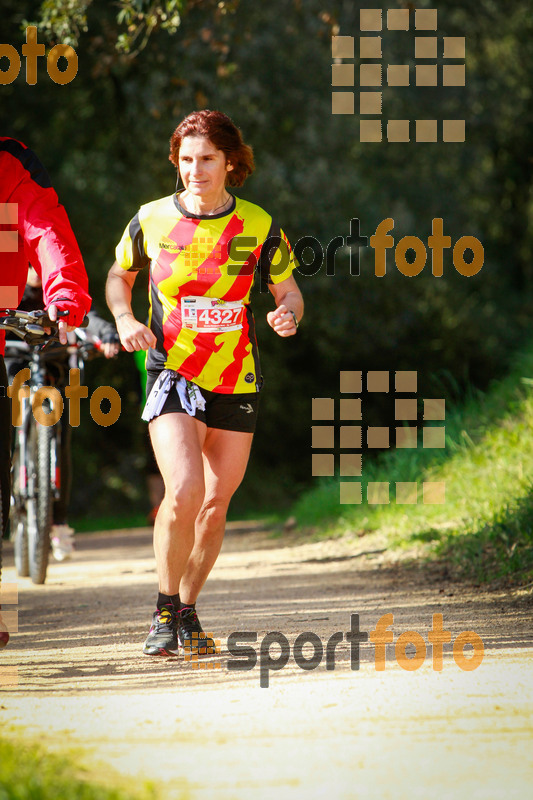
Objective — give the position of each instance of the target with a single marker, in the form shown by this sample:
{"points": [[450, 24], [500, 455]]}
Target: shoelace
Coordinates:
{"points": [[164, 618], [194, 637], [189, 620]]}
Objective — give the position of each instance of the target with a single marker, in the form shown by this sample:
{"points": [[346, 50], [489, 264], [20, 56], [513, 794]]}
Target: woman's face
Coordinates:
{"points": [[202, 167]]}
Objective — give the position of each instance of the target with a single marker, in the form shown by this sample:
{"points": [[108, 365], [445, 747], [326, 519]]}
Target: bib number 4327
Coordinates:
{"points": [[204, 314], [220, 316]]}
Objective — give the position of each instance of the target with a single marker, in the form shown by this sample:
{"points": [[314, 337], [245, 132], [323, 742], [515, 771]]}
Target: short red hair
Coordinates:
{"points": [[223, 134]]}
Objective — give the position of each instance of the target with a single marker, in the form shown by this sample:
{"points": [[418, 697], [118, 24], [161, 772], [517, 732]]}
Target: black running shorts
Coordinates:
{"points": [[229, 412]]}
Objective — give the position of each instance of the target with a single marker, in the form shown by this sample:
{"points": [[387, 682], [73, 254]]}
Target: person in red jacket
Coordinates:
{"points": [[61, 534], [34, 227]]}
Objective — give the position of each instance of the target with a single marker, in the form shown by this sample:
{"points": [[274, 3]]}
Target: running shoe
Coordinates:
{"points": [[162, 639], [62, 542], [190, 634]]}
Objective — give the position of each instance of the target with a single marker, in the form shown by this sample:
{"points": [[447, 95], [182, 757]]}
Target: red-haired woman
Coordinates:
{"points": [[203, 246]]}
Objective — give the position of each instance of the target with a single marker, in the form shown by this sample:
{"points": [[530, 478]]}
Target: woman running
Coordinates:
{"points": [[203, 247]]}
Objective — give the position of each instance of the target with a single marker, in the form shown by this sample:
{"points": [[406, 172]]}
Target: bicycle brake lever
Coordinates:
{"points": [[31, 328]]}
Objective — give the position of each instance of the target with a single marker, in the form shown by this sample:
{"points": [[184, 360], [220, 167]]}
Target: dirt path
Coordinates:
{"points": [[214, 733]]}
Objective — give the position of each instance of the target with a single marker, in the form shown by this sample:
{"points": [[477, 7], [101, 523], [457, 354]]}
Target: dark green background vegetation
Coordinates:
{"points": [[104, 140]]}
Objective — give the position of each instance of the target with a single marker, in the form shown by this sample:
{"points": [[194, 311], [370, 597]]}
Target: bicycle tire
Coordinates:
{"points": [[39, 506], [18, 522]]}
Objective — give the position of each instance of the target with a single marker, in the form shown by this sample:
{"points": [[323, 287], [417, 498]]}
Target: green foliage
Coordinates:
{"points": [[142, 18], [500, 547], [62, 20], [65, 20], [485, 526], [28, 773], [144, 64]]}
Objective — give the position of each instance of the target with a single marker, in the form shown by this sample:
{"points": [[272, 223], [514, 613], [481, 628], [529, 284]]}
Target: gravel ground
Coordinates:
{"points": [[205, 730]]}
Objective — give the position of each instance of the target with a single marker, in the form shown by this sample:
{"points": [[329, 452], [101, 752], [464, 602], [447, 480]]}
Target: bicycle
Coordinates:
{"points": [[36, 474]]}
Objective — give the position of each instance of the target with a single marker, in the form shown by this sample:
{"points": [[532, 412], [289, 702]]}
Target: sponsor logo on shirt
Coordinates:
{"points": [[168, 244]]}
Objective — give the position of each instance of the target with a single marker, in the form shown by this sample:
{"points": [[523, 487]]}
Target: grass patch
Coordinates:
{"points": [[485, 526], [108, 523], [117, 522], [28, 773]]}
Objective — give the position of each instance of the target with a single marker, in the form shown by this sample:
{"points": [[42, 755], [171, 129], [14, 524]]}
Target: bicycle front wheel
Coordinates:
{"points": [[39, 506]]}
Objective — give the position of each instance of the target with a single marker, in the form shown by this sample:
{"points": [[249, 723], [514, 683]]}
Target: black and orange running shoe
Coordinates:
{"points": [[162, 640]]}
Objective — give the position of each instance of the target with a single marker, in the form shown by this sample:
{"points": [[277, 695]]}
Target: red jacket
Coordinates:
{"points": [[43, 237]]}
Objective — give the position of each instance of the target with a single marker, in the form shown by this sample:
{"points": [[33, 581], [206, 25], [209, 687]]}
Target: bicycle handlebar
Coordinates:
{"points": [[30, 325], [18, 348]]}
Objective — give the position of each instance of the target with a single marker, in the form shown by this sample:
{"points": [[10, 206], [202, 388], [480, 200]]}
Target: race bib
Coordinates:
{"points": [[210, 315]]}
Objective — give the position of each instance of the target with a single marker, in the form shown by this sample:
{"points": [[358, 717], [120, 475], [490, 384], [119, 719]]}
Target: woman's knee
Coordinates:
{"points": [[184, 501], [214, 511]]}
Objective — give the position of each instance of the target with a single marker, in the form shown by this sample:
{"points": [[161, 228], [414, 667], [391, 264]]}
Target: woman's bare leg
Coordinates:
{"points": [[225, 456], [177, 440]]}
